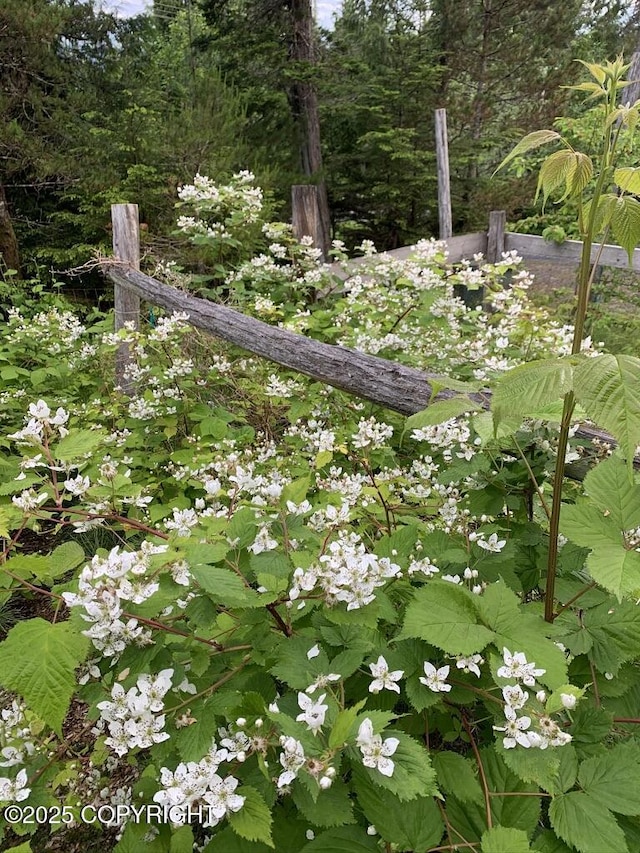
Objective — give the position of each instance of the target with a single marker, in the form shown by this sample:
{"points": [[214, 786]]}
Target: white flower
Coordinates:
{"points": [[292, 759], [492, 543], [514, 729], [516, 666], [78, 485], [515, 696], [313, 652], [568, 700], [376, 752], [470, 664], [14, 790], [435, 678], [383, 679], [323, 681], [183, 521], [313, 712]]}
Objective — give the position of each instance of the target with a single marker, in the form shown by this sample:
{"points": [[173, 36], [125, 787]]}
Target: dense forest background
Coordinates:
{"points": [[96, 110]]}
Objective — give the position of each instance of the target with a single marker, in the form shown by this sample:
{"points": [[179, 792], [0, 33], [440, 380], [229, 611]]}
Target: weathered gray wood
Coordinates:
{"points": [[442, 166], [496, 236], [631, 93], [402, 389], [126, 250], [535, 248], [305, 209]]}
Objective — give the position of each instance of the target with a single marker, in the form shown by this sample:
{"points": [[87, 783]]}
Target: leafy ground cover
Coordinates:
{"points": [[244, 597]]}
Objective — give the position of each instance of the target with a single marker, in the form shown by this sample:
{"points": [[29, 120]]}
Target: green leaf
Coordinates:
{"points": [[610, 563], [584, 822], [625, 223], [38, 661], [225, 587], [608, 387], [548, 842], [615, 633], [345, 839], [628, 179], [456, 776], [413, 825], [614, 778], [343, 725], [614, 492], [555, 171], [331, 807], [254, 820], [531, 386], [78, 444], [440, 411], [67, 556], [505, 839], [181, 840], [446, 616], [528, 143]]}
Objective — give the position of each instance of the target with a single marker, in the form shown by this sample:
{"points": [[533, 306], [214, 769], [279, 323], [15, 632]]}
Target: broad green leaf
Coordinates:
{"points": [[615, 633], [345, 839], [625, 223], [446, 616], [540, 766], [67, 556], [583, 821], [614, 492], [628, 179], [181, 840], [413, 775], [413, 825], [548, 842], [505, 839], [608, 387], [614, 778], [254, 820], [555, 172], [5, 521], [610, 563], [456, 776], [343, 725], [194, 741], [330, 808], [38, 660], [531, 386], [225, 587], [440, 411], [528, 143], [78, 444]]}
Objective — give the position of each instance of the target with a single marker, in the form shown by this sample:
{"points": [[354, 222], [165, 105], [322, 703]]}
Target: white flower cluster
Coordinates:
{"points": [[104, 584], [41, 423], [14, 790], [18, 744], [292, 758], [517, 729], [371, 434], [376, 753], [216, 206], [132, 717], [348, 573], [53, 332], [199, 783]]}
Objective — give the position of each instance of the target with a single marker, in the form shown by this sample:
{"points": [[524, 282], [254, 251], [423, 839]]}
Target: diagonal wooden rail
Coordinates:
{"points": [[387, 383]]}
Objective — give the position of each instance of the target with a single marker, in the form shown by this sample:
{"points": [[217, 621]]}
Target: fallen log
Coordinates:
{"points": [[387, 383]]}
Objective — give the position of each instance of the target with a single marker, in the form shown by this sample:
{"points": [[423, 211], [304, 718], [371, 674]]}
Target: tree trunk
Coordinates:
{"points": [[8, 242], [304, 101]]}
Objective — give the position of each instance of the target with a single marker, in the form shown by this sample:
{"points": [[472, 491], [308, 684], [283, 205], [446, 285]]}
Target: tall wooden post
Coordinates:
{"points": [[444, 188], [126, 249], [495, 236]]}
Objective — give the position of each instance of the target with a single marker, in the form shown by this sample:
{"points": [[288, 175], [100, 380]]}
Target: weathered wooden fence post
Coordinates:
{"points": [[305, 215], [444, 188], [126, 249], [495, 236]]}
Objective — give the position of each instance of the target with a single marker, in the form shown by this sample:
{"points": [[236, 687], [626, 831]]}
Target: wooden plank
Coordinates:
{"points": [[442, 166], [535, 248], [496, 235], [126, 250]]}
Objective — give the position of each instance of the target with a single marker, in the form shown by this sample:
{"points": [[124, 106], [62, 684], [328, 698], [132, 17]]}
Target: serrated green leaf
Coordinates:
{"points": [[439, 412], [78, 444], [610, 563], [625, 223], [584, 822], [528, 143], [548, 842], [628, 179], [330, 808], [456, 776], [5, 520], [181, 840], [505, 839], [540, 766], [67, 556], [608, 387], [446, 616], [345, 839], [614, 492], [614, 778], [38, 660], [615, 633], [413, 825], [343, 725], [225, 587], [254, 820], [531, 386]]}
